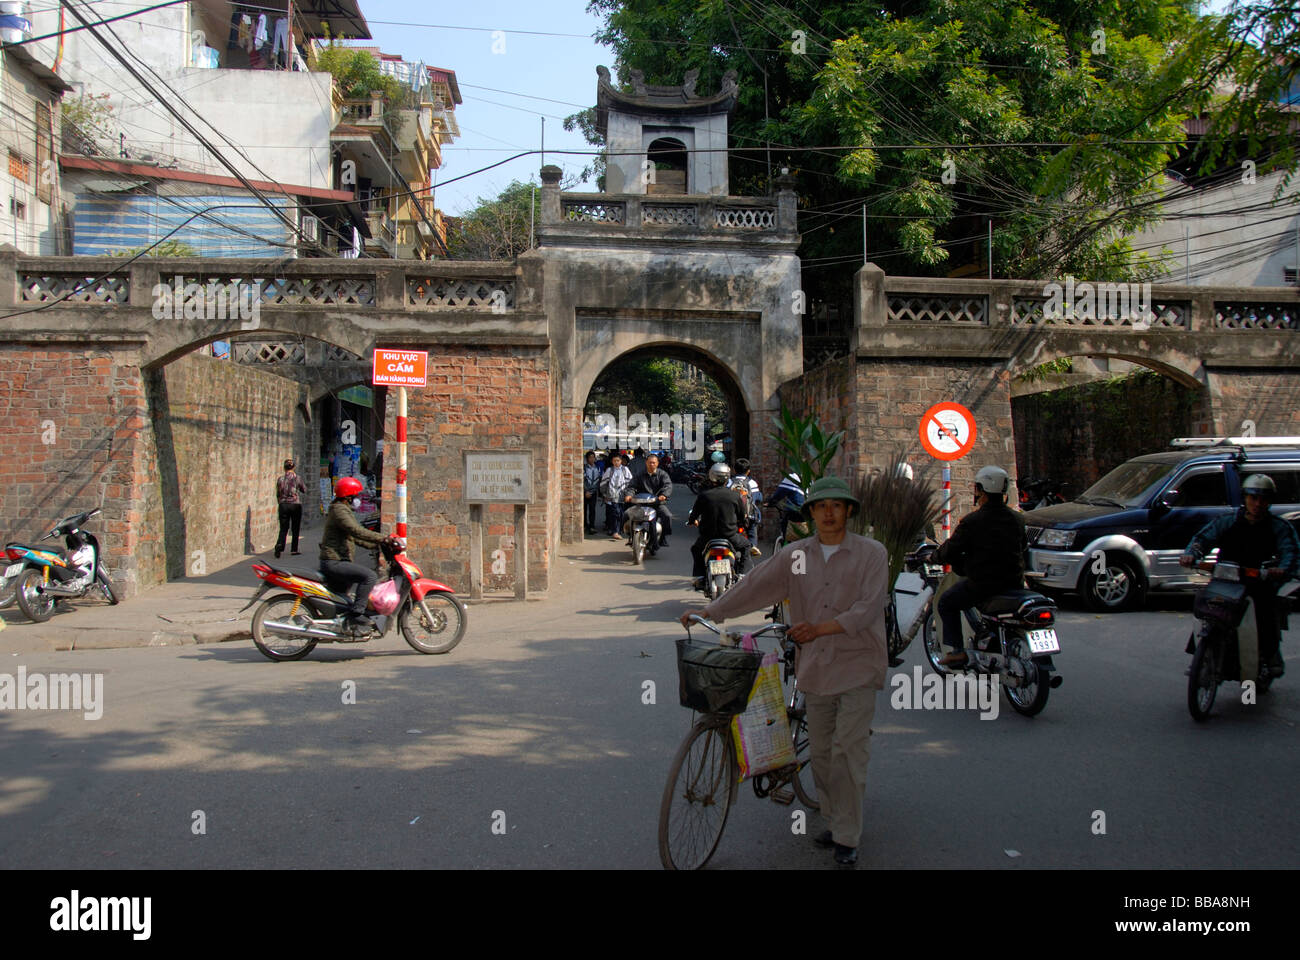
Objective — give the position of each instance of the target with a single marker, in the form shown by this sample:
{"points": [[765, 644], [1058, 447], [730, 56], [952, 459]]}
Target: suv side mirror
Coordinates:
{"points": [[1166, 501]]}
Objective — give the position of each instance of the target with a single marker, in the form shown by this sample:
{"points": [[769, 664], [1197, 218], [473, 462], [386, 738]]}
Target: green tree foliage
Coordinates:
{"points": [[357, 74], [1250, 57], [1053, 120], [643, 385], [168, 248], [498, 228], [86, 124]]}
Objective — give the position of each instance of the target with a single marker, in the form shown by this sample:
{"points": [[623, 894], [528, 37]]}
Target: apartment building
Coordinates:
{"points": [[31, 208], [392, 150], [239, 76]]}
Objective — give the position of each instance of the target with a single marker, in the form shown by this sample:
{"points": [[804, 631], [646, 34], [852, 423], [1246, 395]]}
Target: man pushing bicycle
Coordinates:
{"points": [[835, 582]]}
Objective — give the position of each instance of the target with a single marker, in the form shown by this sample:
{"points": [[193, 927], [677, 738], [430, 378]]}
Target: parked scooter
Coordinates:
{"points": [[287, 626], [1042, 492], [1015, 639], [642, 526], [41, 577], [1225, 645]]}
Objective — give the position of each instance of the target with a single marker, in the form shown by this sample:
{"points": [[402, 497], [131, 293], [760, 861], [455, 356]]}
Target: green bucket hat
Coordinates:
{"points": [[830, 488]]}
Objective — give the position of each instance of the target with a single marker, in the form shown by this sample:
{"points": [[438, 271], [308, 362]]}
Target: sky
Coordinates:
{"points": [[500, 122], [557, 62]]}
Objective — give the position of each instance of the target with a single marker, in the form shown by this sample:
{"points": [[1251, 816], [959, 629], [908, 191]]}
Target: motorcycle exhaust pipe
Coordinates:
{"points": [[1056, 681], [304, 631], [58, 590]]}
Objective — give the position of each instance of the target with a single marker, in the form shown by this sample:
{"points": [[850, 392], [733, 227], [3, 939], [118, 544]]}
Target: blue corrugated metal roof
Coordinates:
{"points": [[102, 225]]}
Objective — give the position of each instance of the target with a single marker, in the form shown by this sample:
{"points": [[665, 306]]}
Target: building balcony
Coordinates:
{"points": [[383, 231]]}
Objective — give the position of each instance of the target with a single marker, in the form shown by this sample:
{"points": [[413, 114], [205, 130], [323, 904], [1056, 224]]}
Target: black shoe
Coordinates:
{"points": [[846, 856], [824, 839], [296, 553], [663, 543], [1275, 666], [277, 554], [359, 623]]}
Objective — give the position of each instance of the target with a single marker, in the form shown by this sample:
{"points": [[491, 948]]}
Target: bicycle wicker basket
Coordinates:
{"points": [[713, 678]]}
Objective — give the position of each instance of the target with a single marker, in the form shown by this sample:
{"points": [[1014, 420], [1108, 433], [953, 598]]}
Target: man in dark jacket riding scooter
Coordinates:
{"points": [[988, 550], [656, 482], [1250, 537]]}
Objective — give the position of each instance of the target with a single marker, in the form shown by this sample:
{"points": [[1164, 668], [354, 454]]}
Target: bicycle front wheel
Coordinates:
{"points": [[804, 786], [700, 790]]}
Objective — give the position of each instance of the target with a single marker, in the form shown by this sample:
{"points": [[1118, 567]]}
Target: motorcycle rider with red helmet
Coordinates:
{"points": [[341, 529]]}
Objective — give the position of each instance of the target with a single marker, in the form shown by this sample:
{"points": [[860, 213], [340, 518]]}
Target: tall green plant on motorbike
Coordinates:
{"points": [[806, 450]]}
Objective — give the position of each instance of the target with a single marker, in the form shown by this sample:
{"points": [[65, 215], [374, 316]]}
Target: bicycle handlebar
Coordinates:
{"points": [[776, 629]]}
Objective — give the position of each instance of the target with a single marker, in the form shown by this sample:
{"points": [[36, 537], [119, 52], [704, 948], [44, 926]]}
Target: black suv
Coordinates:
{"points": [[1122, 536]]}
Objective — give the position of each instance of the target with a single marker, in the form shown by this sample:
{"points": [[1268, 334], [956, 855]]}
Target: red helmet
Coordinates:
{"points": [[348, 487]]}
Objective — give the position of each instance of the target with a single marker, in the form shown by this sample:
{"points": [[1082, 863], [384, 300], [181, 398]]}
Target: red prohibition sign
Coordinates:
{"points": [[948, 437]]}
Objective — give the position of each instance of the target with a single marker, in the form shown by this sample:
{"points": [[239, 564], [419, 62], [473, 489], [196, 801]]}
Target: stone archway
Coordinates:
{"points": [[1075, 427], [739, 408]]}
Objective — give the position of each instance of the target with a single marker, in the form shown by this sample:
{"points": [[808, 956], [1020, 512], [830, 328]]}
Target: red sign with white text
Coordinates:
{"points": [[400, 368]]}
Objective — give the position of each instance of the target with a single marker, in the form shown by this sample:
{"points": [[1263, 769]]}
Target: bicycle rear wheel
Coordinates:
{"points": [[698, 795]]}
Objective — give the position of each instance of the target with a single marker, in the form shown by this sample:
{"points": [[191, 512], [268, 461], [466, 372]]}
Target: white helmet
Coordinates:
{"points": [[719, 473], [993, 480]]}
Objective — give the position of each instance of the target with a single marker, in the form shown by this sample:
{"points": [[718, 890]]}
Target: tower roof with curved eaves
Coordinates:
{"points": [[652, 100]]}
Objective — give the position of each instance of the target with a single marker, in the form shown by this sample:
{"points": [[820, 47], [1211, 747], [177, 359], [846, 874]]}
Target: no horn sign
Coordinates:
{"points": [[400, 368]]}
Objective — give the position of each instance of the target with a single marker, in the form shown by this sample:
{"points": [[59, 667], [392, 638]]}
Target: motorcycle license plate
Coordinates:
{"points": [[13, 569], [719, 566], [1043, 641]]}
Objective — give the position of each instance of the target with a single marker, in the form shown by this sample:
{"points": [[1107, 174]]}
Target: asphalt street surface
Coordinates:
{"points": [[529, 745]]}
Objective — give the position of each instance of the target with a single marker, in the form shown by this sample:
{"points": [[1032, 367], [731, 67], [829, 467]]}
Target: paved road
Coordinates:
{"points": [[539, 715]]}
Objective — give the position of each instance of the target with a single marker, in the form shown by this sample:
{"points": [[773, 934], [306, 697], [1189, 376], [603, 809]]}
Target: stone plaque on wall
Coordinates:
{"points": [[498, 476]]}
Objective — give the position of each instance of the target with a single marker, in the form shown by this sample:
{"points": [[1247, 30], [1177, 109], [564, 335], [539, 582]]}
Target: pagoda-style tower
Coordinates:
{"points": [[673, 131]]}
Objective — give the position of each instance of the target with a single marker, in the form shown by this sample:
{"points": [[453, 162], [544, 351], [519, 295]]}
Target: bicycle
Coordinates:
{"points": [[702, 781]]}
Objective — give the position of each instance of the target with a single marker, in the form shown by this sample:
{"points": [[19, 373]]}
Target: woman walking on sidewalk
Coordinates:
{"points": [[287, 492]]}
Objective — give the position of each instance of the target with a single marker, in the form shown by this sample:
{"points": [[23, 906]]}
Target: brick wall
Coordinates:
{"points": [[1080, 434], [1271, 398], [830, 393], [70, 425], [220, 434], [880, 403], [477, 398]]}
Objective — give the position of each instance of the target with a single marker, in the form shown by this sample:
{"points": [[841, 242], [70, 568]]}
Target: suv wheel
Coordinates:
{"points": [[1119, 587]]}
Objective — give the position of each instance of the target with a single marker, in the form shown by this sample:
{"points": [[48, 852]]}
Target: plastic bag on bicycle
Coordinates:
{"points": [[762, 732]]}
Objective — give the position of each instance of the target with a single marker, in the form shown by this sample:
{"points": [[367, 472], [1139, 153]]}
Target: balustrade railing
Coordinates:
{"points": [[169, 287]]}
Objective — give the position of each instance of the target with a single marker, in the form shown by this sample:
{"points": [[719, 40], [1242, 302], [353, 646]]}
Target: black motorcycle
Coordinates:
{"points": [[41, 577], [1042, 492], [1226, 644], [1015, 638]]}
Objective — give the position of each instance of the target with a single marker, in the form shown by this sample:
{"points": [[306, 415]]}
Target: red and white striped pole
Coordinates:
{"points": [[947, 499], [400, 491]]}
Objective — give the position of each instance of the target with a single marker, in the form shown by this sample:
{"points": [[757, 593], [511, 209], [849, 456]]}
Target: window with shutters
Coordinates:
{"points": [[19, 168], [44, 153]]}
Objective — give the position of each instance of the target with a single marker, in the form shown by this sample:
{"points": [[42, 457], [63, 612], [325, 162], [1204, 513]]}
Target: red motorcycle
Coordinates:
{"points": [[287, 626]]}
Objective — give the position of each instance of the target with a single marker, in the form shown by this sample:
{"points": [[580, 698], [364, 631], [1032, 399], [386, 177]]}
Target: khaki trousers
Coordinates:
{"points": [[839, 740]]}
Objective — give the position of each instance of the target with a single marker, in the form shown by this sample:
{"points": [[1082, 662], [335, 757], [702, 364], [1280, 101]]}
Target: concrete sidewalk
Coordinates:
{"points": [[199, 610], [192, 610]]}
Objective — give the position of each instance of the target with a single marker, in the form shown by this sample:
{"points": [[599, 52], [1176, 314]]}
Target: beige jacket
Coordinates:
{"points": [[850, 589]]}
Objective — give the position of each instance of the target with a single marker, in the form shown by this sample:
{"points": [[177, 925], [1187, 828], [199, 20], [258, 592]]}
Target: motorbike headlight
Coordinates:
{"points": [[1057, 538]]}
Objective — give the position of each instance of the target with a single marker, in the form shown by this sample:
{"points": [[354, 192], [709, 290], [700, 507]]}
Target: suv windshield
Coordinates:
{"points": [[1128, 484]]}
